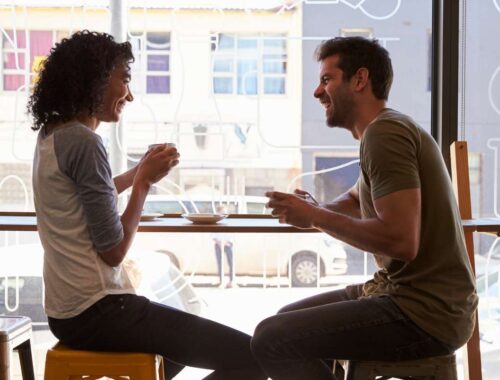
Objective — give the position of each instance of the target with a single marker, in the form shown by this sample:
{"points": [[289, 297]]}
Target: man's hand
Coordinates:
{"points": [[292, 208], [306, 196]]}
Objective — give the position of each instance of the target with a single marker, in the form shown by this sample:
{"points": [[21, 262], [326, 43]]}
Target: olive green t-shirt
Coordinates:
{"points": [[437, 289]]}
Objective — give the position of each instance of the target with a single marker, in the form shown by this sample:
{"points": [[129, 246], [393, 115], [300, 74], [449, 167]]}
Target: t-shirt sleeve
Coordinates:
{"points": [[389, 158], [82, 157]]}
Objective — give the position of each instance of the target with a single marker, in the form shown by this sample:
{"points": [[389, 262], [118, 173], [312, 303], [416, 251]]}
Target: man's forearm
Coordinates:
{"points": [[370, 235], [345, 204]]}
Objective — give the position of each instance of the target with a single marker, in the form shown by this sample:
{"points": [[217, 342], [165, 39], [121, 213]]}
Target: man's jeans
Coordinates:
{"points": [[299, 341], [130, 323]]}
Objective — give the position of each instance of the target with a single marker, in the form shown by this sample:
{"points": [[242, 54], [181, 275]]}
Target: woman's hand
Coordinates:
{"points": [[156, 164]]}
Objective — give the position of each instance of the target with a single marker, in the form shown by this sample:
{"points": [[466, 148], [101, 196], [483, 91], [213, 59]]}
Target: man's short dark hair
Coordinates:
{"points": [[74, 76], [358, 52]]}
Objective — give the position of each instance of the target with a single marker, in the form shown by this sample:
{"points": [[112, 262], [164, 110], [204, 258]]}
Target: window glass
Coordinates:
{"points": [[223, 65], [223, 85], [249, 62], [158, 84], [151, 69], [479, 115], [231, 85], [18, 66], [257, 208], [274, 85]]}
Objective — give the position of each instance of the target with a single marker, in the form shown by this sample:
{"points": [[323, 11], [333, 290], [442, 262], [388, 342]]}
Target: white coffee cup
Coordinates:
{"points": [[169, 145]]}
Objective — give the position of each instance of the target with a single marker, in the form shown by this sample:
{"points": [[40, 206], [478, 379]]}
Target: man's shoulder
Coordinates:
{"points": [[392, 123]]}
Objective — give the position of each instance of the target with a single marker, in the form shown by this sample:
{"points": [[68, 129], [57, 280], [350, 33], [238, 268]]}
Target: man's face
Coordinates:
{"points": [[335, 94], [116, 95]]}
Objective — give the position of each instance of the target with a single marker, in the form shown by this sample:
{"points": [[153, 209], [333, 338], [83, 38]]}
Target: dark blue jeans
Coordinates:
{"points": [[299, 341], [131, 323]]}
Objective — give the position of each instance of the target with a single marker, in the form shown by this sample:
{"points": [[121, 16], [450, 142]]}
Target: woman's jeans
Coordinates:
{"points": [[131, 323], [299, 342]]}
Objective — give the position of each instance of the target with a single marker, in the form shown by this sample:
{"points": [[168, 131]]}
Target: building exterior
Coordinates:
{"points": [[223, 83]]}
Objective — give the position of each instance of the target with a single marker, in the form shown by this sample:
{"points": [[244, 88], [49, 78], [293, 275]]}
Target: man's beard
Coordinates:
{"points": [[338, 115], [334, 118]]}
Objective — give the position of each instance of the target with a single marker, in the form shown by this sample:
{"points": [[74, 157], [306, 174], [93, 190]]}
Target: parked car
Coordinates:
{"points": [[301, 257], [21, 285], [487, 266]]}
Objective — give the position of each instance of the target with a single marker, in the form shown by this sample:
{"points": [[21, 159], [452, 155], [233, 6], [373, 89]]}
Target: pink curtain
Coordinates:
{"points": [[40, 44]]}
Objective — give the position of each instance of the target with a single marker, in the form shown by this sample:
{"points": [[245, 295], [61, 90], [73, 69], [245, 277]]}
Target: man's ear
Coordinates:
{"points": [[361, 78]]}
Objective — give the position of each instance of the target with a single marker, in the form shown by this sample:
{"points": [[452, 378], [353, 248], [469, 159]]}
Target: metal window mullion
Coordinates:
{"points": [[445, 74]]}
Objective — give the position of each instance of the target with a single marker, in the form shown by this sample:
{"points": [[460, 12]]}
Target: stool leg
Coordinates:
{"points": [[338, 370], [447, 373], [26, 359], [356, 371], [5, 360], [161, 370]]}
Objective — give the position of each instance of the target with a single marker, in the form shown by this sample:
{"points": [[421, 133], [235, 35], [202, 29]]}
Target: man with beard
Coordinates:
{"points": [[421, 302]]}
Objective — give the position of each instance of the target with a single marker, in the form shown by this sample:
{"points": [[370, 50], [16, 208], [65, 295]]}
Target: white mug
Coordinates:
{"points": [[169, 145]]}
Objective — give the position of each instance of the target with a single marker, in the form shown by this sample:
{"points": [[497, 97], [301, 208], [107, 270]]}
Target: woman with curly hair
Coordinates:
{"points": [[89, 298]]}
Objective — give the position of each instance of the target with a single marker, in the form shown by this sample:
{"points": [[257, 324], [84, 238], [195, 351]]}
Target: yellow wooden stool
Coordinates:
{"points": [[63, 363], [435, 368], [15, 335]]}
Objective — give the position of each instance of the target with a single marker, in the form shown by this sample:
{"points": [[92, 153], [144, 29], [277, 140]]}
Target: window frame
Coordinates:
{"points": [[141, 58]]}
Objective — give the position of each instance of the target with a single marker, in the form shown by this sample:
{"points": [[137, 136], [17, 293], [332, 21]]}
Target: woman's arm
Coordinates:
{"points": [[154, 167], [125, 180]]}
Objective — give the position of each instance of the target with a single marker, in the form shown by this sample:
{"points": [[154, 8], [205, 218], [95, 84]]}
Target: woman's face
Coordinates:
{"points": [[116, 95]]}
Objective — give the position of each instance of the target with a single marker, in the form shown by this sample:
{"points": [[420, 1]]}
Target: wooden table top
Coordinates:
{"points": [[26, 221], [174, 223]]}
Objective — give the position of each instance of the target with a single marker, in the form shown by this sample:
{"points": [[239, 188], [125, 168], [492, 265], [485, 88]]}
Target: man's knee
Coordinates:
{"points": [[286, 309], [266, 336]]}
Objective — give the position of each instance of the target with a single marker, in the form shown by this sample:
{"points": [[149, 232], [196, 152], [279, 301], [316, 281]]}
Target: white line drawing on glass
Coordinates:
{"points": [[23, 186], [497, 5], [357, 4], [8, 307], [487, 268], [490, 91]]}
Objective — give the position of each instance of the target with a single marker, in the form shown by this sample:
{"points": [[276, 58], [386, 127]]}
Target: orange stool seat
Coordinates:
{"points": [[63, 363]]}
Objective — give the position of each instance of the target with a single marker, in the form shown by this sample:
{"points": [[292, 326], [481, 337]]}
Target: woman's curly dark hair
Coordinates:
{"points": [[74, 76]]}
